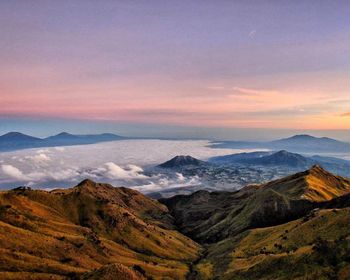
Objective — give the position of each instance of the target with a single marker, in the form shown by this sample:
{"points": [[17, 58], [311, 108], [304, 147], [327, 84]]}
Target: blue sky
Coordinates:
{"points": [[187, 67]]}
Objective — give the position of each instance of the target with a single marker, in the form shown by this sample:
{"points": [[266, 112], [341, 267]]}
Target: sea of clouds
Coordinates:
{"points": [[121, 163]]}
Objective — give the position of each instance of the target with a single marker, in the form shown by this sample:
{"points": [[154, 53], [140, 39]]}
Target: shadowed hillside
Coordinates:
{"points": [[210, 217], [316, 246]]}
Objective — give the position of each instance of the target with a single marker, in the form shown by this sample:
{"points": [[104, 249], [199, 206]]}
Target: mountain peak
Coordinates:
{"points": [[318, 168], [86, 182], [17, 136], [64, 134], [181, 160], [315, 184], [302, 136], [13, 133]]}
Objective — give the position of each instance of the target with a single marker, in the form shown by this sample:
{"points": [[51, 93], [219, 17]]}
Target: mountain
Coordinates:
{"points": [[214, 216], [17, 136], [315, 184], [279, 158], [69, 232], [294, 161], [181, 161], [282, 158], [306, 139], [297, 143], [293, 228], [283, 229], [307, 143], [239, 157], [62, 136], [15, 140]]}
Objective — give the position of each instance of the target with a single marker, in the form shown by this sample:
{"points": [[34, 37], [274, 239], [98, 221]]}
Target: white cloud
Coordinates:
{"points": [[13, 172], [41, 157], [42, 151], [114, 171], [180, 177]]}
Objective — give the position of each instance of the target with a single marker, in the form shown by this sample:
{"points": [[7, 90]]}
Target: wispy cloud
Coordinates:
{"points": [[252, 91], [216, 87]]}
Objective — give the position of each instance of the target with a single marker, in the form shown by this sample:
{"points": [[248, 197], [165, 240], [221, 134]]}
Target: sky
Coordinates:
{"points": [[226, 69]]}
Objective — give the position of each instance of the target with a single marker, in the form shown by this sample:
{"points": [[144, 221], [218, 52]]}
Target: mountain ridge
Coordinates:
{"points": [[296, 143], [16, 140], [98, 231], [89, 226]]}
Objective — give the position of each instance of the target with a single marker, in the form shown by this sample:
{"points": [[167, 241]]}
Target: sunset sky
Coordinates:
{"points": [[154, 65]]}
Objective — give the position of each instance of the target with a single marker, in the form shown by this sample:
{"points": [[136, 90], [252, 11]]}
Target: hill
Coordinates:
{"points": [[181, 161], [69, 232]]}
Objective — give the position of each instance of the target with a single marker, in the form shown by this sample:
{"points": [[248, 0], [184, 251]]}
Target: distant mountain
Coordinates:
{"points": [[239, 158], [15, 140], [65, 138], [307, 143], [283, 158], [279, 158], [298, 143], [181, 161], [19, 137], [62, 136]]}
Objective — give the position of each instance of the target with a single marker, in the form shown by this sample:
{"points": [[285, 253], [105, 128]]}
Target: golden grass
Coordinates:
{"points": [[261, 249], [204, 270], [77, 230]]}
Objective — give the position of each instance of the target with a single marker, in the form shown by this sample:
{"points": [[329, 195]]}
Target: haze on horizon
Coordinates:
{"points": [[240, 69]]}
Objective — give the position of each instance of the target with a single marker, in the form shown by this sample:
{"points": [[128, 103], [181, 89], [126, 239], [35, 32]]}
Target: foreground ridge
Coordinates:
{"points": [[97, 231], [71, 231]]}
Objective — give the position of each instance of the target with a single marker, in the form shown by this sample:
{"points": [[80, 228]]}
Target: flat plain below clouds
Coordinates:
{"points": [[120, 163]]}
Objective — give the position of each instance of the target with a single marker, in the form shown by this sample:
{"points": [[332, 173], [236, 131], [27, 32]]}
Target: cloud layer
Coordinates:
{"points": [[122, 163]]}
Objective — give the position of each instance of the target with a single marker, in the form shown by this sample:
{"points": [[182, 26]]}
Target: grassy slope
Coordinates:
{"points": [[72, 231], [315, 184], [211, 217], [315, 247]]}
